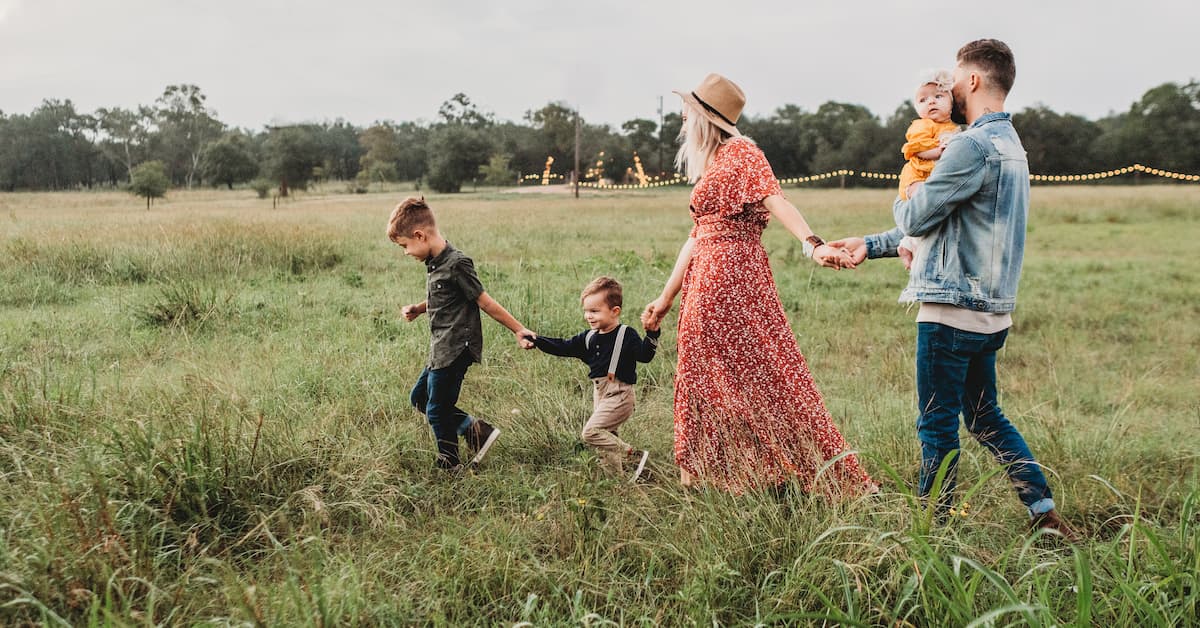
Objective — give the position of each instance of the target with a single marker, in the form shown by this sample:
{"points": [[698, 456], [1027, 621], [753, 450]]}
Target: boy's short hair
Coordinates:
{"points": [[609, 286], [410, 215], [994, 58]]}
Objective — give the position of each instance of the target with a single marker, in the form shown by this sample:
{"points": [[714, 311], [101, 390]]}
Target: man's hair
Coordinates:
{"points": [[411, 214], [994, 59], [609, 286]]}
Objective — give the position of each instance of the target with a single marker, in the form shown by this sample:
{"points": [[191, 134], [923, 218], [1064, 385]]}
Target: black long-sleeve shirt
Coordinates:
{"points": [[598, 356]]}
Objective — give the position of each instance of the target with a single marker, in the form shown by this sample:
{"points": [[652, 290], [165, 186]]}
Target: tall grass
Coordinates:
{"points": [[204, 419]]}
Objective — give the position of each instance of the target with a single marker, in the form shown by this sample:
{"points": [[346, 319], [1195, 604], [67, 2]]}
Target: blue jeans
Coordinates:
{"points": [[956, 374], [435, 395]]}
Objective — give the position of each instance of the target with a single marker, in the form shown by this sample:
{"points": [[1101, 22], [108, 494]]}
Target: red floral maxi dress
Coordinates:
{"points": [[747, 413]]}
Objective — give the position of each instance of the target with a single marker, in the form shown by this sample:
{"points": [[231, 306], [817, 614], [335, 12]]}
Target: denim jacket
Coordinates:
{"points": [[971, 214]]}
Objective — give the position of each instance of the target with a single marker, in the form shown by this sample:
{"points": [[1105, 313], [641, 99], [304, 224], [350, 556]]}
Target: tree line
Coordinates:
{"points": [[181, 139]]}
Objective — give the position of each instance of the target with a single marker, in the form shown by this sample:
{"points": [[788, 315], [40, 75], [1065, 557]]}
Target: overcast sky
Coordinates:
{"points": [[263, 61]]}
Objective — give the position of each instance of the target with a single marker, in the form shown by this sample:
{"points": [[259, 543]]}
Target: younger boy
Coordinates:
{"points": [[612, 350], [454, 299]]}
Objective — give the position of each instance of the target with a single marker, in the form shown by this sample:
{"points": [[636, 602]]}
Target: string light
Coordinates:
{"points": [[641, 174], [1116, 172], [677, 178]]}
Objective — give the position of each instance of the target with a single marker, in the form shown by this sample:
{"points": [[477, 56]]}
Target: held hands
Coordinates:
{"points": [[831, 255], [654, 313], [411, 312], [525, 338], [856, 248]]}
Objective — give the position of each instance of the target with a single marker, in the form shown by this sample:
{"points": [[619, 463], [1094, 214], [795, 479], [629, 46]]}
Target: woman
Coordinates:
{"points": [[747, 414]]}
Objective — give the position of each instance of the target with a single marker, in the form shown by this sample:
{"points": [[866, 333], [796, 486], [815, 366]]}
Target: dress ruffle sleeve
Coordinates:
{"points": [[755, 180]]}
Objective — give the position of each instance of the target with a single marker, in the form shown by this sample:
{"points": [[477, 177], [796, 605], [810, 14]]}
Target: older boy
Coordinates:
{"points": [[454, 299]]}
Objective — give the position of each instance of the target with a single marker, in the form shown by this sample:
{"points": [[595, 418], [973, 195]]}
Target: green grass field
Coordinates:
{"points": [[204, 419]]}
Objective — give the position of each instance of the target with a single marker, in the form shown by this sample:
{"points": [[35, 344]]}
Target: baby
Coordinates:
{"points": [[927, 136]]}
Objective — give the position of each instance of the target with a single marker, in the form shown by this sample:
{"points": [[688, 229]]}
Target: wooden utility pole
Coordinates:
{"points": [[577, 132]]}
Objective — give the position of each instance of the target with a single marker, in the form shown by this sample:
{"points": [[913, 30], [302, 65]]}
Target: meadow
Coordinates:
{"points": [[204, 420]]}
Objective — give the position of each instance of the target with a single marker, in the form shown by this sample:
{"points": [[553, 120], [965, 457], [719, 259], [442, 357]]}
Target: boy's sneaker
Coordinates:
{"points": [[480, 437], [641, 455]]}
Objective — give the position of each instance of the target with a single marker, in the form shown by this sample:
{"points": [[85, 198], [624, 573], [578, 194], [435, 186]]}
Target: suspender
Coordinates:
{"points": [[616, 354]]}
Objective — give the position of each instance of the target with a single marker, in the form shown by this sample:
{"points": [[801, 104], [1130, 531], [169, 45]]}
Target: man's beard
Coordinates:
{"points": [[957, 115]]}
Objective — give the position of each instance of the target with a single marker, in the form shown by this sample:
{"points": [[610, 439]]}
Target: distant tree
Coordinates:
{"points": [[643, 138], [51, 148], [149, 180], [1162, 130], [496, 171], [455, 154], [261, 186], [229, 160], [185, 127], [413, 140], [886, 156], [785, 137], [383, 151], [841, 130], [556, 122], [291, 153], [600, 138], [459, 110], [1057, 143], [339, 149], [669, 138], [459, 145], [125, 135], [522, 144]]}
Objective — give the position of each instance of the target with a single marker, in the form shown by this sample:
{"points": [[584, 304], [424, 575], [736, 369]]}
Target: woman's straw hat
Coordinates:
{"points": [[719, 100]]}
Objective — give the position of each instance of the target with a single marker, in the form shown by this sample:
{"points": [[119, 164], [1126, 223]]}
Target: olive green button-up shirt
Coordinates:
{"points": [[453, 289]]}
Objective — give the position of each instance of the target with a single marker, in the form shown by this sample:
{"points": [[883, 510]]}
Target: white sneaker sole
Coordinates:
{"points": [[486, 446], [637, 473]]}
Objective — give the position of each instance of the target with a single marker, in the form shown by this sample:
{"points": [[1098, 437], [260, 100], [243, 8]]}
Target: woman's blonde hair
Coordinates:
{"points": [[699, 141]]}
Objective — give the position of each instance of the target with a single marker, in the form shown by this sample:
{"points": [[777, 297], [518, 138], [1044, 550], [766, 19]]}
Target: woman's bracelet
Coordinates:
{"points": [[811, 243]]}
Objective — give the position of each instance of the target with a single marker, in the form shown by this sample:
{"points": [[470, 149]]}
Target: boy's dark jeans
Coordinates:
{"points": [[436, 396], [956, 374]]}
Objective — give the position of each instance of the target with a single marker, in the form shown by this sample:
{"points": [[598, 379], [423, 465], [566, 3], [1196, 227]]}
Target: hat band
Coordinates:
{"points": [[712, 110]]}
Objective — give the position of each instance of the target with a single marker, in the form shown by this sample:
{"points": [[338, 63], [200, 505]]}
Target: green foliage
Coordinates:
{"points": [[291, 154], [56, 147], [383, 151], [455, 154], [229, 160], [185, 126], [262, 187], [496, 172], [149, 180]]}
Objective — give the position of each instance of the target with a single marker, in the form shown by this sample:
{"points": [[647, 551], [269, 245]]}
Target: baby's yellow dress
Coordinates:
{"points": [[922, 135]]}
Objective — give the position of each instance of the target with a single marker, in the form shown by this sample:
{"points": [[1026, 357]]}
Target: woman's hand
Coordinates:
{"points": [[833, 257], [656, 311]]}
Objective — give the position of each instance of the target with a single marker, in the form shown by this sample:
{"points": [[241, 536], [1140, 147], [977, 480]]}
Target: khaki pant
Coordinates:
{"points": [[612, 405]]}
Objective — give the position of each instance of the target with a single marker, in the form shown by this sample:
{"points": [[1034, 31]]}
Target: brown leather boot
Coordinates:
{"points": [[1051, 521]]}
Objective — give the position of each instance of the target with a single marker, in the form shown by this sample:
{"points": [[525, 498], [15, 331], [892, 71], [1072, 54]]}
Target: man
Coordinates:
{"points": [[971, 213]]}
